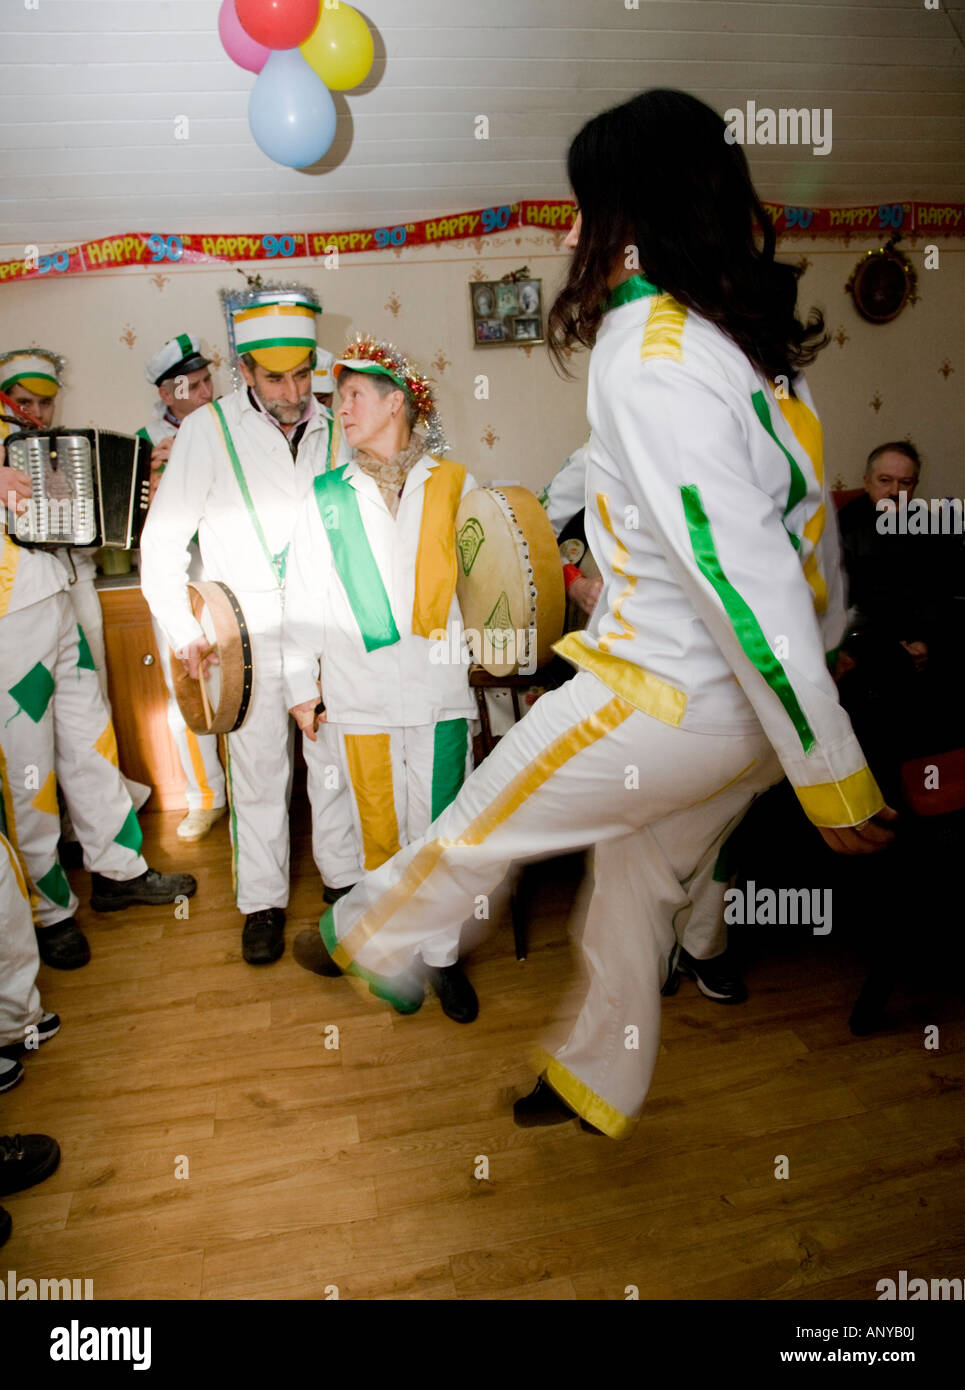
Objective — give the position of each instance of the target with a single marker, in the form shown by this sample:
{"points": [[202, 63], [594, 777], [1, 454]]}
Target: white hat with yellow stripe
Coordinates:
{"points": [[35, 369], [277, 329]]}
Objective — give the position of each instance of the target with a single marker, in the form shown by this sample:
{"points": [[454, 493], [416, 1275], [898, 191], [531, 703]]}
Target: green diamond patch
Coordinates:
{"points": [[54, 886], [130, 834], [34, 691], [85, 661]]}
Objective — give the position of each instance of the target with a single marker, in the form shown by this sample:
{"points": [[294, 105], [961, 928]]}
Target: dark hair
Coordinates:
{"points": [[657, 173], [899, 446], [384, 385]]}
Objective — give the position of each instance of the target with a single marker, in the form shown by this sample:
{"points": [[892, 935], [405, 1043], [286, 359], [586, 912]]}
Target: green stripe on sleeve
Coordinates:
{"points": [[743, 621], [798, 487], [338, 507], [450, 745]]}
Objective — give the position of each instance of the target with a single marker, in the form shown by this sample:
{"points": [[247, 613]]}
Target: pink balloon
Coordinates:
{"points": [[240, 47]]}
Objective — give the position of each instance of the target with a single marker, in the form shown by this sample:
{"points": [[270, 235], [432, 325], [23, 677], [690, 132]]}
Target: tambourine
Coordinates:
{"points": [[509, 579], [218, 702]]}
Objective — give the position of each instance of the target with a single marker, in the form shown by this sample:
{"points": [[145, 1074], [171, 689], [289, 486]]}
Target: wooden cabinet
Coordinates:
{"points": [[139, 698]]}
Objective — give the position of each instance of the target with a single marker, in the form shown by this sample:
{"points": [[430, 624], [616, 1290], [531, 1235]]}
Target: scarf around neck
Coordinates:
{"points": [[390, 474]]}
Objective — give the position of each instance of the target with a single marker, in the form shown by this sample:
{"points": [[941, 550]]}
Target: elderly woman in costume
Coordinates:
{"points": [[371, 608]]}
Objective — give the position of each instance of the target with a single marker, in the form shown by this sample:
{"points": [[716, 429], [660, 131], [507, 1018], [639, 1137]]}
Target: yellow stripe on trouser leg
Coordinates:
{"points": [[369, 759], [581, 736], [197, 764]]}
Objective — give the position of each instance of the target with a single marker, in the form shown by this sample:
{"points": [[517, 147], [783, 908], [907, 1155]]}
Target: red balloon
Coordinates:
{"points": [[278, 23]]}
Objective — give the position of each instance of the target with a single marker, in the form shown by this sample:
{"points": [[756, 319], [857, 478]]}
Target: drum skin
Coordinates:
{"points": [[215, 602], [509, 579]]}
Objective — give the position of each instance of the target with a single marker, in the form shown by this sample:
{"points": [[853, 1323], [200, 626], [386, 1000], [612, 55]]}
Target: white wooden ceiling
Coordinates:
{"points": [[90, 89]]}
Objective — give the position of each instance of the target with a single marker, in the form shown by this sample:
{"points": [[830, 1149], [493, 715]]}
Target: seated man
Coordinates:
{"points": [[903, 642], [371, 576]]}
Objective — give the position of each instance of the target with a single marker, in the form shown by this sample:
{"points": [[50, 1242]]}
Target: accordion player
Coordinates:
{"points": [[88, 487]]}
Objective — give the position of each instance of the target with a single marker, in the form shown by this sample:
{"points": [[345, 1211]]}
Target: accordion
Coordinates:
{"points": [[88, 487]]}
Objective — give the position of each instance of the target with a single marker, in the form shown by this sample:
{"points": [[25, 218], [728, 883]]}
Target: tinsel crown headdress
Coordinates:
{"points": [[370, 354]]}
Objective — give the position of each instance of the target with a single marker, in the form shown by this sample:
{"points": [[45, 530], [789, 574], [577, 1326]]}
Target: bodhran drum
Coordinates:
{"points": [[509, 580], [227, 686]]}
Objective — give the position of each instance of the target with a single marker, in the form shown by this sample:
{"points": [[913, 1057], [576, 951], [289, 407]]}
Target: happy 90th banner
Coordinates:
{"points": [[213, 248]]}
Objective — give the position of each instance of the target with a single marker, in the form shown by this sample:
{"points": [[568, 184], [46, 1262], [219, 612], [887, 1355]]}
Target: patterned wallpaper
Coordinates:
{"points": [[872, 383]]}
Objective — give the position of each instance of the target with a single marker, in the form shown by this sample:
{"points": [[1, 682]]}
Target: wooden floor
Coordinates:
{"points": [[310, 1167]]}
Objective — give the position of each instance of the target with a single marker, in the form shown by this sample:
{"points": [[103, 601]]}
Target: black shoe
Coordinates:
{"points": [[48, 1026], [868, 1015], [11, 1073], [716, 977], [6, 1226], [332, 895], [544, 1107], [26, 1159], [311, 953], [149, 887], [70, 854], [263, 936], [63, 946], [456, 994], [541, 1107]]}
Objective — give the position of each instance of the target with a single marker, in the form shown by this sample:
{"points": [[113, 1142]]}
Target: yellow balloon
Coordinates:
{"points": [[340, 49]]}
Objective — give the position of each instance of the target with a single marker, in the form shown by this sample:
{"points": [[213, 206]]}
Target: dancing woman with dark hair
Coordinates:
{"points": [[703, 674]]}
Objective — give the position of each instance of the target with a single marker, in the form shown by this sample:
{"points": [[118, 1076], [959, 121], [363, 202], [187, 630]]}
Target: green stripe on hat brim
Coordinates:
{"points": [[371, 369], [20, 376], [306, 343]]}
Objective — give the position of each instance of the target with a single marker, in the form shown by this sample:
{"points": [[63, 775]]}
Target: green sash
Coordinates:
{"points": [[356, 566], [278, 562]]}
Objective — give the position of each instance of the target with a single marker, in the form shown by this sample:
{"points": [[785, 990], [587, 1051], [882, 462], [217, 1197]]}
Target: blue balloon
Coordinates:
{"points": [[290, 111]]}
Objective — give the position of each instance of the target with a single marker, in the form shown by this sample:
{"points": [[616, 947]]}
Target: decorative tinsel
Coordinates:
{"points": [[54, 358], [409, 378]]}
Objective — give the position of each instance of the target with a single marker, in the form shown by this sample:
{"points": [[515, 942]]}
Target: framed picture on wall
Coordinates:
{"points": [[508, 312]]}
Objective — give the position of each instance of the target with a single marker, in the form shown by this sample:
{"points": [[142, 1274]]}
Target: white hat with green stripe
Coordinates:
{"points": [[177, 357], [35, 369], [278, 330]]}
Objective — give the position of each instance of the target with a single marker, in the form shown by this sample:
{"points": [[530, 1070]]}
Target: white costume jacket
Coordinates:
{"points": [[565, 495], [366, 593], [708, 515], [200, 491]]}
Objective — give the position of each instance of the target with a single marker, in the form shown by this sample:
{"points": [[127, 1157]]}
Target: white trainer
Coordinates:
{"points": [[196, 824]]}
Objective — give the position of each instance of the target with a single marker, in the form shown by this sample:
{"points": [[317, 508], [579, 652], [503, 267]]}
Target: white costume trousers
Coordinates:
{"points": [[55, 727], [583, 767], [19, 958], [198, 753], [374, 790], [259, 766]]}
